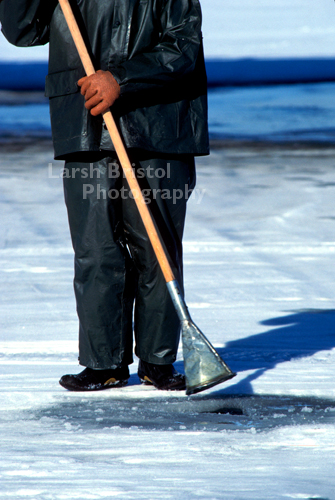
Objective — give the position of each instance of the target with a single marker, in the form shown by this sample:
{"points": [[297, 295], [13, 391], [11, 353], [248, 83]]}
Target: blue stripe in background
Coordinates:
{"points": [[23, 76], [225, 72], [220, 72]]}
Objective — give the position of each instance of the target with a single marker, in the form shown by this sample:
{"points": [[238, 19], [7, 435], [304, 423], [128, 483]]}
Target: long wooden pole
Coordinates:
{"points": [[119, 148]]}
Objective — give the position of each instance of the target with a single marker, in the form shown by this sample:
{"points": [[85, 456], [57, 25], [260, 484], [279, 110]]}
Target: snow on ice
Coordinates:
{"points": [[259, 252]]}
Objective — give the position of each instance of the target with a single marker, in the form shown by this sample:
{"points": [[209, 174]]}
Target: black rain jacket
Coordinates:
{"points": [[154, 50]]}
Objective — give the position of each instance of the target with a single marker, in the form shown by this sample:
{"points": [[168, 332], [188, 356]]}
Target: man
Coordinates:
{"points": [[150, 72]]}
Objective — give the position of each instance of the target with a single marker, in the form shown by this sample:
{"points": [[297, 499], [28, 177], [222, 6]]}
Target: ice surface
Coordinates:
{"points": [[301, 112], [289, 28], [259, 252]]}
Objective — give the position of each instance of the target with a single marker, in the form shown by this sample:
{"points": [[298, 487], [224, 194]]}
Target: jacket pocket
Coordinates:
{"points": [[63, 83], [67, 111]]}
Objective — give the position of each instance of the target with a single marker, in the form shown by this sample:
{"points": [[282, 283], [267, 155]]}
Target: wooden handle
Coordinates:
{"points": [[138, 197], [119, 148]]}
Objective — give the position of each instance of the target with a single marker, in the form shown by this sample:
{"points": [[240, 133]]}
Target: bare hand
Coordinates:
{"points": [[100, 91]]}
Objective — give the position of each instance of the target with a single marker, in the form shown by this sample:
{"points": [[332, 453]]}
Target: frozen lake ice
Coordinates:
{"points": [[259, 252], [259, 269]]}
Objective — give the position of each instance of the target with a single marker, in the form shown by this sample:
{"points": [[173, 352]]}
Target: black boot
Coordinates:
{"points": [[95, 380], [163, 377]]}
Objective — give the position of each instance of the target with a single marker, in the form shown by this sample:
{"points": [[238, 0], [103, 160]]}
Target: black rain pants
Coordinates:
{"points": [[118, 284]]}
